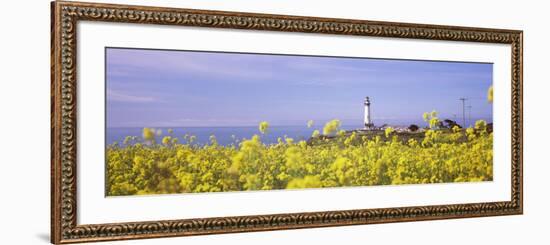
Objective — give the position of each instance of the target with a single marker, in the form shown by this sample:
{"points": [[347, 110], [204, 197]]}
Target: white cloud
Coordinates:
{"points": [[121, 97]]}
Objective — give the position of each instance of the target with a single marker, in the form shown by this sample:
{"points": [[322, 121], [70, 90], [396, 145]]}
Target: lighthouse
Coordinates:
{"points": [[367, 120]]}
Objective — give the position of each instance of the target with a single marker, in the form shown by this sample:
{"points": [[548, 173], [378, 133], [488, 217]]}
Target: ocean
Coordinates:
{"points": [[230, 134], [224, 135]]}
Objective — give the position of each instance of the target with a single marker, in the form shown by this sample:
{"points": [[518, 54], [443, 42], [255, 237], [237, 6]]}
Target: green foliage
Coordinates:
{"points": [[348, 160]]}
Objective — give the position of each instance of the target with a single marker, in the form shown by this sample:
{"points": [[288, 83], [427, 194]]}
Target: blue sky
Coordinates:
{"points": [[158, 88]]}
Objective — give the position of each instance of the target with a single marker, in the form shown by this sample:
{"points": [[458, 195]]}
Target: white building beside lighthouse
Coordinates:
{"points": [[367, 120]]}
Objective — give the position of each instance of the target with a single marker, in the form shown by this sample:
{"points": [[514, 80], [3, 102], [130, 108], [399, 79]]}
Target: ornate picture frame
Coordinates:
{"points": [[64, 109]]}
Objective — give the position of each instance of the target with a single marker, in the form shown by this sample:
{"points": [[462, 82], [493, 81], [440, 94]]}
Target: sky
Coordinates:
{"points": [[168, 88]]}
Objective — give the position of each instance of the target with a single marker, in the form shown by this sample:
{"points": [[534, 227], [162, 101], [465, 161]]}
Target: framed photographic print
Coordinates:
{"points": [[175, 122]]}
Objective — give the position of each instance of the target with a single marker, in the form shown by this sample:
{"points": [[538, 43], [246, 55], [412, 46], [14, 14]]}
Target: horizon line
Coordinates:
{"points": [[275, 125]]}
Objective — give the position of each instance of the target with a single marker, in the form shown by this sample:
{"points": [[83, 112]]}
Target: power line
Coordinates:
{"points": [[469, 114]]}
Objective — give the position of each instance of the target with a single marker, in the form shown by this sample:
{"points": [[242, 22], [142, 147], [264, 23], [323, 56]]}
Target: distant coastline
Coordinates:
{"points": [[224, 134]]}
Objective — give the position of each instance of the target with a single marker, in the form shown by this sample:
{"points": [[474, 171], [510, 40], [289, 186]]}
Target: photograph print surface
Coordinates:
{"points": [[197, 121]]}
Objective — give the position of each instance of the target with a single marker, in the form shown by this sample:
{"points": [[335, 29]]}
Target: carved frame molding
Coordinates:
{"points": [[66, 15]]}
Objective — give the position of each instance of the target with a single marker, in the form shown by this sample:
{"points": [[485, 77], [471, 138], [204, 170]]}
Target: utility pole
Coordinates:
{"points": [[469, 114], [463, 112]]}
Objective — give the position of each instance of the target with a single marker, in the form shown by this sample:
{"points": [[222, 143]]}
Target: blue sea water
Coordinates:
{"points": [[232, 135], [224, 135]]}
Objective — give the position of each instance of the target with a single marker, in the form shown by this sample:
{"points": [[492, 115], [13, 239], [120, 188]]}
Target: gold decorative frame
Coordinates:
{"points": [[66, 15]]}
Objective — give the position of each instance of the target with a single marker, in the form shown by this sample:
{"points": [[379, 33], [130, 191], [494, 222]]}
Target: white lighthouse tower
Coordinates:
{"points": [[367, 120]]}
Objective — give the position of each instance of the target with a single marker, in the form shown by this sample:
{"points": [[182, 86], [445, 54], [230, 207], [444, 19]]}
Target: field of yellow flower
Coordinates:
{"points": [[438, 156]]}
